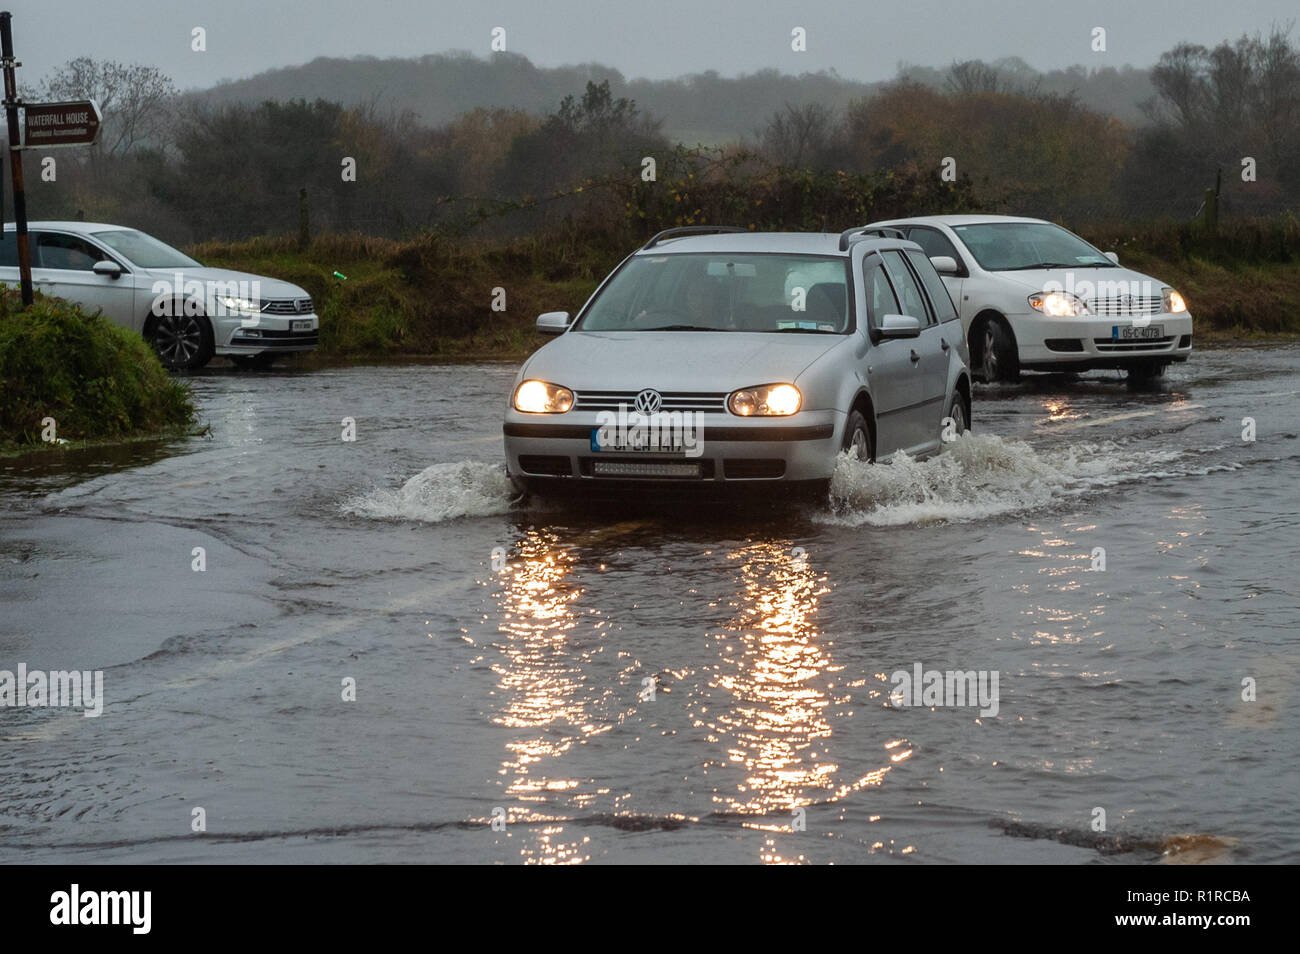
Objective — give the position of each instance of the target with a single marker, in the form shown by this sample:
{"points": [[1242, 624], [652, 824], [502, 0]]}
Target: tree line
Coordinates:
{"points": [[980, 137]]}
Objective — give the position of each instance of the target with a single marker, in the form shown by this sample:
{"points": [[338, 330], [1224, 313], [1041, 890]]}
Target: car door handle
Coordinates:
{"points": [[943, 343], [915, 357]]}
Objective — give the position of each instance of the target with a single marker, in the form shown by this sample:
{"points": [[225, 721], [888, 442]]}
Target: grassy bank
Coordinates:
{"points": [[433, 297], [96, 380]]}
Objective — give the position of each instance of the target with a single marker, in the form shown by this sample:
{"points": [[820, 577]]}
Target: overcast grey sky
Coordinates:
{"points": [[861, 39]]}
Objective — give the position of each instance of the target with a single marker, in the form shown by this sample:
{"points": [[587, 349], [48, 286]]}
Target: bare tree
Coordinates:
{"points": [[798, 134], [136, 100], [974, 76]]}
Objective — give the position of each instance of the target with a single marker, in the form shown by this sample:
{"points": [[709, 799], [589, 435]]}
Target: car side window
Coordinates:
{"points": [[56, 250], [879, 294], [9, 250], [934, 242], [909, 292], [939, 297]]}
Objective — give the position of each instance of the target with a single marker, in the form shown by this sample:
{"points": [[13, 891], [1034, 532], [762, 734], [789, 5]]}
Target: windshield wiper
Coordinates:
{"points": [[802, 331], [682, 328], [1022, 268]]}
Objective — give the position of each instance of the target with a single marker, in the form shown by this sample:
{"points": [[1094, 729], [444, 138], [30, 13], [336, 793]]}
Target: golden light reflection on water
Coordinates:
{"points": [[779, 689], [768, 696], [541, 678]]}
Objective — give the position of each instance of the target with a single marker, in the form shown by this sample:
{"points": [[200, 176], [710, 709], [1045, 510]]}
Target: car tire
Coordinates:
{"points": [[857, 438], [182, 342], [1145, 370], [253, 362], [959, 411], [999, 359]]}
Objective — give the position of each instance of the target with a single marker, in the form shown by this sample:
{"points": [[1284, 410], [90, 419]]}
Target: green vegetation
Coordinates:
{"points": [[432, 296], [98, 381]]}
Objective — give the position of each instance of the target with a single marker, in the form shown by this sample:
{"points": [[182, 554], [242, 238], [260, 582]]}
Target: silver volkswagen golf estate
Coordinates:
{"points": [[715, 357]]}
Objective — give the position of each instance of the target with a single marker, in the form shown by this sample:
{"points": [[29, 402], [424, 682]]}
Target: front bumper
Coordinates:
{"points": [[1091, 342], [250, 336], [556, 450]]}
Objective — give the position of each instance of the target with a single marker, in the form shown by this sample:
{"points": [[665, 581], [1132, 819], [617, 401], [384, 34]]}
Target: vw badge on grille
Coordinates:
{"points": [[648, 401]]}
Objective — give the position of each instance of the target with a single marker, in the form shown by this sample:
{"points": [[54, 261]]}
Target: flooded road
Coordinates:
{"points": [[685, 685]]}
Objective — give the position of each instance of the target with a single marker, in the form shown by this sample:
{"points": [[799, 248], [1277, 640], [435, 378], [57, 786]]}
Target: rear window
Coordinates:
{"points": [[939, 296]]}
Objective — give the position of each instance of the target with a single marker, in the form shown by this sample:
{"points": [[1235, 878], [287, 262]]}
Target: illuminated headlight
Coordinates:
{"points": [[767, 400], [1058, 304], [241, 306], [1174, 302], [539, 397]]}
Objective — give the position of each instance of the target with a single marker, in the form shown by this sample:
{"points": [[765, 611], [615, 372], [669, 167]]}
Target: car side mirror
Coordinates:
{"points": [[898, 326], [1113, 256], [553, 322], [109, 268], [944, 264]]}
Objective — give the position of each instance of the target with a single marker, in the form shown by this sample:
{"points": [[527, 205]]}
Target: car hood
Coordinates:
{"points": [[676, 360], [1116, 278], [265, 287]]}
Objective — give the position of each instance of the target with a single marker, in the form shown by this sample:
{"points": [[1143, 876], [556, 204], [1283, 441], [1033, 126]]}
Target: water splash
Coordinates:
{"points": [[439, 492], [982, 475]]}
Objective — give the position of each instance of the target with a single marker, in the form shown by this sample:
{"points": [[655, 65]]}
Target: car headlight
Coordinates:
{"points": [[766, 400], [241, 306], [1058, 304], [1174, 302], [541, 397]]}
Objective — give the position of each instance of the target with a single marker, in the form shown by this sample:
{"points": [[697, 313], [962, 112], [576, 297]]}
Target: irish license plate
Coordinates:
{"points": [[300, 324], [1136, 333], [637, 443]]}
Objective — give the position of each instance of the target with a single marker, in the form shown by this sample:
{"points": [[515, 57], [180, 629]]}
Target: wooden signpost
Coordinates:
{"points": [[40, 126]]}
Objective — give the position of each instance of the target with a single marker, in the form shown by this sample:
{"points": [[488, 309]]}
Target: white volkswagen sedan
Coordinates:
{"points": [[716, 357], [188, 312], [1034, 296]]}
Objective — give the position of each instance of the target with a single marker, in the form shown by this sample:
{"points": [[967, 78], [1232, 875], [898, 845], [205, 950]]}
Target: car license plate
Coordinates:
{"points": [[301, 324], [633, 443], [1136, 332]]}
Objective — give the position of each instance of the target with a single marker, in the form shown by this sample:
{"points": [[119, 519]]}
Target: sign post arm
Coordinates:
{"points": [[16, 157]]}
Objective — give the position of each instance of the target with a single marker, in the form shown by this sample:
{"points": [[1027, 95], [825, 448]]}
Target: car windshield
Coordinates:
{"points": [[144, 250], [725, 291], [1008, 246]]}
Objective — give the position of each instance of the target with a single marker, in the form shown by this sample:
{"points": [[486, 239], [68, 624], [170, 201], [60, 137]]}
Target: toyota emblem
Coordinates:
{"points": [[648, 401]]}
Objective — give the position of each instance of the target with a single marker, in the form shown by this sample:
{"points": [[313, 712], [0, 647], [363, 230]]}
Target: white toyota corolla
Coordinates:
{"points": [[1036, 297], [715, 356], [188, 312]]}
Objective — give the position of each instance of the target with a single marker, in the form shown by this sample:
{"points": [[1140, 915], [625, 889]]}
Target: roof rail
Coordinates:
{"points": [[884, 231], [690, 230]]}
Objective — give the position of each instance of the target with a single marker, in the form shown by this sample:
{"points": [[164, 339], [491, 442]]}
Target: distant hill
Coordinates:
{"points": [[701, 107]]}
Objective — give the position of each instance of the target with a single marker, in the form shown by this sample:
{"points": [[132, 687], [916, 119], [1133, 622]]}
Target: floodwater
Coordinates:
{"points": [[665, 684]]}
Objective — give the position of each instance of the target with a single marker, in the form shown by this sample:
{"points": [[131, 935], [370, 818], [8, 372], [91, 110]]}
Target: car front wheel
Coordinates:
{"points": [[960, 418], [857, 438], [183, 342], [999, 359]]}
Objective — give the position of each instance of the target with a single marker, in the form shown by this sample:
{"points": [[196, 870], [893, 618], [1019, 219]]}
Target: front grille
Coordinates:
{"points": [[646, 467], [1145, 344], [275, 338], [287, 306], [1121, 305], [739, 468], [671, 400], [551, 465]]}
